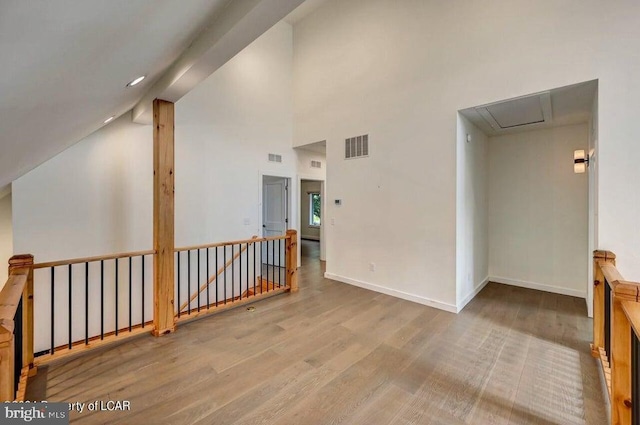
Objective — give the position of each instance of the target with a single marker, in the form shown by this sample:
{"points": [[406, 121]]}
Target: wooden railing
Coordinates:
{"points": [[85, 303], [89, 302], [16, 329], [245, 271], [616, 310]]}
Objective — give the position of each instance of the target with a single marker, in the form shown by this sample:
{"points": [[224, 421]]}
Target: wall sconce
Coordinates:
{"points": [[580, 161]]}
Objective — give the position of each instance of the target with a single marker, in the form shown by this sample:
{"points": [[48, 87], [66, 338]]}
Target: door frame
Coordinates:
{"points": [[323, 242], [292, 201]]}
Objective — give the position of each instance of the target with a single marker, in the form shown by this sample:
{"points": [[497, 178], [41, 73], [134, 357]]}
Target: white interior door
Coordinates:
{"points": [[274, 218]]}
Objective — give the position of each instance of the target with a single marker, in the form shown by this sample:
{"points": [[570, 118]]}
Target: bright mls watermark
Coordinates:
{"points": [[34, 413], [101, 406], [56, 413]]}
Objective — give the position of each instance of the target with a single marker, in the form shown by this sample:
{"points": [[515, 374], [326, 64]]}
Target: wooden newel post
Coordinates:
{"points": [[292, 260], [7, 392], [163, 217], [620, 363], [598, 299], [24, 264], [10, 297]]}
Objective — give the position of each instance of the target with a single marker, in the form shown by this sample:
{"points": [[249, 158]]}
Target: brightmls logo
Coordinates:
{"points": [[35, 413], [27, 414]]}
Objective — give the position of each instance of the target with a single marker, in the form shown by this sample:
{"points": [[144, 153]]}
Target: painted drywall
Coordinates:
{"points": [[307, 231], [96, 197], [538, 210], [304, 164], [6, 236], [399, 70], [472, 208], [593, 199], [225, 130]]}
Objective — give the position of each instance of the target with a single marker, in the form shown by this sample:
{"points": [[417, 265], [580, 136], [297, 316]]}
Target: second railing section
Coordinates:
{"points": [[224, 275]]}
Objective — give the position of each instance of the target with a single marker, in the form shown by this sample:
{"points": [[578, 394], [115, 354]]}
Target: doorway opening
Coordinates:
{"points": [[311, 223], [311, 218], [524, 216]]}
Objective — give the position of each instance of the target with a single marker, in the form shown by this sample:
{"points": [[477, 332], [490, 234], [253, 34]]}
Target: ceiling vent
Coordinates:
{"points": [[273, 157], [518, 112], [316, 164], [356, 147]]}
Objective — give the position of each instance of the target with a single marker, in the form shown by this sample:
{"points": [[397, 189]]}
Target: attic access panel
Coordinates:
{"points": [[527, 110]]}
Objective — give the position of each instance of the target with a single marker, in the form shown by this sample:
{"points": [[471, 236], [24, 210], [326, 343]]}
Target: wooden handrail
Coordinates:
{"points": [[244, 241], [221, 270], [9, 300], [620, 315], [621, 287], [611, 273], [92, 259], [632, 311]]}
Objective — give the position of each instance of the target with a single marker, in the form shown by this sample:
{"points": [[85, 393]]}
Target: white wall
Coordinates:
{"points": [[593, 199], [6, 236], [304, 164], [96, 197], [306, 230], [472, 207], [400, 69], [225, 129], [538, 210]]}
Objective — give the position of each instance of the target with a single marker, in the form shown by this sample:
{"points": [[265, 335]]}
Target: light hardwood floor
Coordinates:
{"points": [[334, 353]]}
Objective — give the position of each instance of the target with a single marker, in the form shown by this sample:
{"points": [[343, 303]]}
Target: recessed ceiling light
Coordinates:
{"points": [[136, 81], [108, 120]]}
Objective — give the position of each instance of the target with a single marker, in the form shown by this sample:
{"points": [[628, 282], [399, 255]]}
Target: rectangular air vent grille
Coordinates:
{"points": [[316, 164], [356, 147], [273, 157]]}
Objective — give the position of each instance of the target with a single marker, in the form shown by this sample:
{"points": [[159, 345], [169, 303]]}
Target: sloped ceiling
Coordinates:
{"points": [[65, 63]]}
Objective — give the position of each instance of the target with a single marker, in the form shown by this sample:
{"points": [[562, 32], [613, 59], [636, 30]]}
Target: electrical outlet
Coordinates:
{"points": [[372, 267], [247, 221], [333, 221]]}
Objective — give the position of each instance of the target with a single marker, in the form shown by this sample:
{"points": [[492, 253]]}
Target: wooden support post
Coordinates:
{"points": [[292, 260], [24, 263], [163, 217], [598, 299], [7, 392], [620, 357]]}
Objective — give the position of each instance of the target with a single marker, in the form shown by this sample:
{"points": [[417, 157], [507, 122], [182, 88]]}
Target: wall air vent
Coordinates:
{"points": [[356, 147], [519, 112], [273, 157], [316, 164]]}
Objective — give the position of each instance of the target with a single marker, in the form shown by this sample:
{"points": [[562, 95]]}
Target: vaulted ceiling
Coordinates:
{"points": [[66, 63]]}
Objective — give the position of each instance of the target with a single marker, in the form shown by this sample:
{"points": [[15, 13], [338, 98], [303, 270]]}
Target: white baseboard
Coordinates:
{"points": [[394, 293], [539, 287], [472, 294]]}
